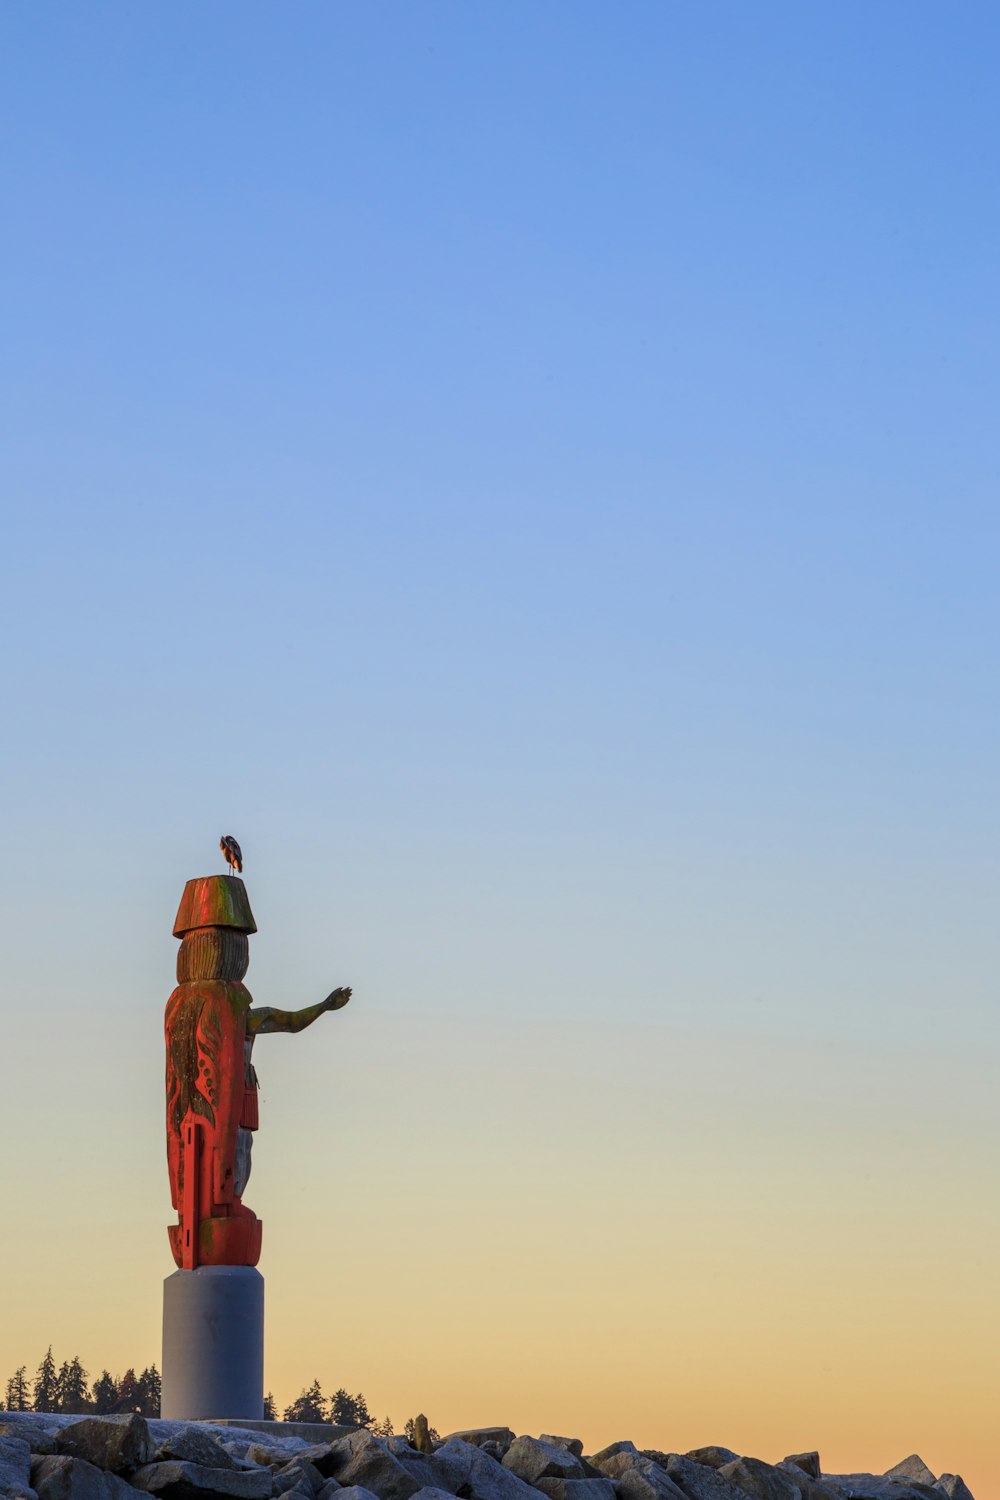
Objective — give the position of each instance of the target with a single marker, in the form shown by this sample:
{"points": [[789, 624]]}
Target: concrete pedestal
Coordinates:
{"points": [[213, 1343]]}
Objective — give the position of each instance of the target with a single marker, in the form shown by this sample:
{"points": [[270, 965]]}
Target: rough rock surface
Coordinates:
{"points": [[807, 1462], [954, 1486], [61, 1477], [712, 1457], [760, 1480], [196, 1446], [577, 1489], [572, 1445], [362, 1460], [116, 1443], [647, 1481], [700, 1481], [177, 1479], [531, 1459]]}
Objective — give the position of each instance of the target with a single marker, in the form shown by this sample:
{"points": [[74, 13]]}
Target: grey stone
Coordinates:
{"points": [[807, 1462], [464, 1469], [430, 1493], [63, 1477], [478, 1436], [298, 1473], [15, 1455], [362, 1460], [760, 1480], [572, 1445], [606, 1461], [119, 1443], [531, 1460], [954, 1486], [712, 1457], [197, 1446], [647, 1481], [32, 1433], [700, 1481], [349, 1491], [577, 1489], [177, 1479], [875, 1487], [913, 1468]]}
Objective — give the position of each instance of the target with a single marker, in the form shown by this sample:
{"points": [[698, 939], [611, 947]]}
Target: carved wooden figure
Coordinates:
{"points": [[212, 1111]]}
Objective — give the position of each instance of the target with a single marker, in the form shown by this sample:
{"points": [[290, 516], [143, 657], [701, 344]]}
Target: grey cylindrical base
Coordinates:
{"points": [[213, 1343]]}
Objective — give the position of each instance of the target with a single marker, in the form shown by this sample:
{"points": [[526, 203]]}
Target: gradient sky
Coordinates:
{"points": [[530, 473]]}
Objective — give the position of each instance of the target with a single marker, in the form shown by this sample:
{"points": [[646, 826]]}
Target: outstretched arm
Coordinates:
{"points": [[267, 1018]]}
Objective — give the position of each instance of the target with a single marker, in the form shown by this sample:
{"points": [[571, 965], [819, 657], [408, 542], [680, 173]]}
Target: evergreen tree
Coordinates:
{"points": [[105, 1394], [362, 1415], [342, 1409], [270, 1410], [308, 1407], [149, 1390], [18, 1396], [410, 1430], [73, 1394], [128, 1392], [383, 1429], [46, 1394]]}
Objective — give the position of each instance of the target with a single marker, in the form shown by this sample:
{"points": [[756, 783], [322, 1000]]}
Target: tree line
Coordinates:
{"points": [[67, 1389]]}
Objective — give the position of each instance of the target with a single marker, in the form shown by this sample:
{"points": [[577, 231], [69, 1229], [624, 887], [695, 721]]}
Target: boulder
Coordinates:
{"points": [[15, 1456], [197, 1446], [807, 1462], [700, 1481], [531, 1459], [647, 1481], [361, 1459], [875, 1487], [62, 1477], [119, 1443], [712, 1457], [577, 1489], [912, 1468], [760, 1480], [572, 1445], [32, 1433], [954, 1486], [463, 1469], [349, 1492], [611, 1461], [178, 1479], [297, 1474]]}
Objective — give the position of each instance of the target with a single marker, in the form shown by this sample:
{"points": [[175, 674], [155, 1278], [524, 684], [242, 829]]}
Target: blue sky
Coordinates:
{"points": [[530, 473]]}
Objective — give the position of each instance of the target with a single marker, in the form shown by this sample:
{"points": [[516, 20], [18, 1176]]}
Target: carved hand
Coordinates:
{"points": [[338, 999]]}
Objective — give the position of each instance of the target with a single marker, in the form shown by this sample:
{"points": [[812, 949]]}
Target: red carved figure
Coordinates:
{"points": [[210, 1029]]}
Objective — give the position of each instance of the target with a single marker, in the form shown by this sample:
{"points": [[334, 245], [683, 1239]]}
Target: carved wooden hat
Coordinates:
{"points": [[214, 901]]}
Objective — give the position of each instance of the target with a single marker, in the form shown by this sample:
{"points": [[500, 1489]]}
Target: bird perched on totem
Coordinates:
{"points": [[232, 852]]}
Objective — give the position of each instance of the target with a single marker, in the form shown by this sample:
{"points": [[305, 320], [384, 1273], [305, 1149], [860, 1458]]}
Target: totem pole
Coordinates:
{"points": [[213, 1304]]}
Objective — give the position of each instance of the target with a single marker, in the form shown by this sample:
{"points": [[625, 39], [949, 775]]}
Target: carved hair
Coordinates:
{"points": [[213, 953]]}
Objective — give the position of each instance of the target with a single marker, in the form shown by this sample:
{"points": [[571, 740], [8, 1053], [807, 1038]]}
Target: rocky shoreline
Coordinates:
{"points": [[50, 1457]]}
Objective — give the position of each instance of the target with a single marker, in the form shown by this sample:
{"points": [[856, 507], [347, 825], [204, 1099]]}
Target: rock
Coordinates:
{"points": [[572, 1445], [479, 1436], [954, 1486], [430, 1493], [647, 1481], [297, 1474], [577, 1489], [62, 1477], [875, 1487], [762, 1481], [530, 1459], [118, 1443], [197, 1446], [700, 1481], [349, 1492], [807, 1462], [32, 1433], [468, 1471], [712, 1457], [912, 1468], [178, 1479], [362, 1460], [15, 1455], [606, 1461]]}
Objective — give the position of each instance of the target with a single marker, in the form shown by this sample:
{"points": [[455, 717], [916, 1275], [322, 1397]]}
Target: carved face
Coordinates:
{"points": [[213, 953]]}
